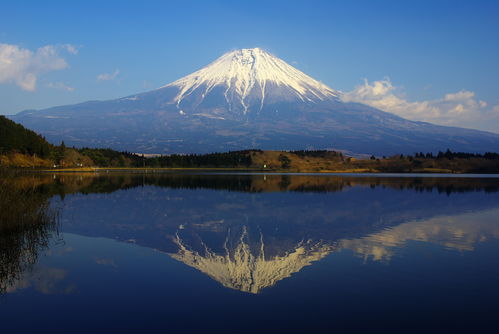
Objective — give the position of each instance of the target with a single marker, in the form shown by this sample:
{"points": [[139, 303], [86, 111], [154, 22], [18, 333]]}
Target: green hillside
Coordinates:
{"points": [[16, 138]]}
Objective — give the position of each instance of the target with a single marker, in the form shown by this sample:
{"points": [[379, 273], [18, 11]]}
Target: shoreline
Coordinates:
{"points": [[230, 170]]}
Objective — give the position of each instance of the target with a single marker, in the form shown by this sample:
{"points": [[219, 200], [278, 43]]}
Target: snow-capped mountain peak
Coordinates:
{"points": [[247, 77], [245, 99]]}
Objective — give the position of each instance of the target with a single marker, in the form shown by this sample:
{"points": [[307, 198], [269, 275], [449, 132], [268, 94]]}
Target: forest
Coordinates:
{"points": [[23, 148]]}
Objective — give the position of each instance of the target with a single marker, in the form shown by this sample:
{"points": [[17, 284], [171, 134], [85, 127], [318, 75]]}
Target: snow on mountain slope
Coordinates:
{"points": [[245, 99], [247, 72]]}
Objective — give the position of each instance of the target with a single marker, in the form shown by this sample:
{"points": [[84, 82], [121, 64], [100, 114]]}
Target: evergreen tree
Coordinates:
{"points": [[60, 153]]}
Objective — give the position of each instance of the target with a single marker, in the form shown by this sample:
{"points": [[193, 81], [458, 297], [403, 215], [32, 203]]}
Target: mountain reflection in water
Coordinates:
{"points": [[248, 232]]}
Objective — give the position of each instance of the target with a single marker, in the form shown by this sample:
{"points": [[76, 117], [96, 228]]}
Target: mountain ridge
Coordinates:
{"points": [[246, 99]]}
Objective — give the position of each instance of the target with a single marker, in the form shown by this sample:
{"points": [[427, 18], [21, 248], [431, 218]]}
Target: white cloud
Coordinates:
{"points": [[60, 85], [71, 49], [108, 76], [23, 66], [454, 109]]}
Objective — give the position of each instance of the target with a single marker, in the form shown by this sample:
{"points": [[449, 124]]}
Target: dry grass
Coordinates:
{"points": [[272, 161], [303, 164], [23, 160]]}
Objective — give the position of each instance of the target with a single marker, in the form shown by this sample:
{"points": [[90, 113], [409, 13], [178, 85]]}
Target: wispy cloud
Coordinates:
{"points": [[108, 76], [23, 67], [60, 85], [456, 109], [73, 49]]}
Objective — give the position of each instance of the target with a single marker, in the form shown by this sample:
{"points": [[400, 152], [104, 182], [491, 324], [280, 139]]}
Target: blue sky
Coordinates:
{"points": [[425, 60]]}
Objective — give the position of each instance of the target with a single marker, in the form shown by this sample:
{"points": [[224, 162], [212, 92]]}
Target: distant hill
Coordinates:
{"points": [[16, 138]]}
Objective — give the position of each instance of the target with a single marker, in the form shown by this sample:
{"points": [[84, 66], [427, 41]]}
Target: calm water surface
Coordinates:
{"points": [[85, 253]]}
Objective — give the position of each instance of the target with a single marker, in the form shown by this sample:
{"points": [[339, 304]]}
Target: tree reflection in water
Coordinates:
{"points": [[241, 237], [27, 223]]}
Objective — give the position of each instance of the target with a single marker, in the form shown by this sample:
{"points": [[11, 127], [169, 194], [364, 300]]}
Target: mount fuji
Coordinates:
{"points": [[245, 99]]}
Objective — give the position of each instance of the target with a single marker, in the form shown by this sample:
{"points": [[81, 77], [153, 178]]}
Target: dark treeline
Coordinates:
{"points": [[15, 137], [460, 155], [317, 154], [106, 157], [226, 159], [111, 158]]}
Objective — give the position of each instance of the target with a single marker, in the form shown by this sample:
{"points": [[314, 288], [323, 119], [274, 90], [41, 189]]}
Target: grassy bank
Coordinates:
{"points": [[23, 148], [309, 161]]}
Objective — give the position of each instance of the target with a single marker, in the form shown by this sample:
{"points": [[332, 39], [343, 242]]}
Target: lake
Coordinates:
{"points": [[248, 253]]}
